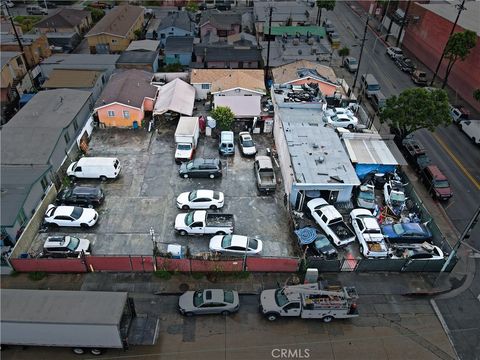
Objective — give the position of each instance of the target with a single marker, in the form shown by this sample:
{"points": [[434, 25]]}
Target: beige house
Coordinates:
{"points": [[35, 47], [66, 20], [114, 32]]}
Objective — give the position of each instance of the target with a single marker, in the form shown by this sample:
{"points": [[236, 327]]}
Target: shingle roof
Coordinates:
{"points": [[118, 21], [179, 20], [129, 87], [179, 44], [228, 53], [221, 20], [66, 78], [63, 18], [221, 79], [137, 57], [302, 68], [31, 135]]}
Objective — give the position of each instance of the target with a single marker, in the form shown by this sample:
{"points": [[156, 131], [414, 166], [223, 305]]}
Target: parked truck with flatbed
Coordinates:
{"points": [[331, 222], [186, 138], [202, 223], [309, 301], [81, 320]]}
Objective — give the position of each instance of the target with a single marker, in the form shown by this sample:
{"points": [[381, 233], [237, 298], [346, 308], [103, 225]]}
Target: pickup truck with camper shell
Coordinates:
{"points": [[200, 222]]}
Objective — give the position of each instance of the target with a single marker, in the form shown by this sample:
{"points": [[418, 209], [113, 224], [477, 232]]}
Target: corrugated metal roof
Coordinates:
{"points": [[67, 307]]}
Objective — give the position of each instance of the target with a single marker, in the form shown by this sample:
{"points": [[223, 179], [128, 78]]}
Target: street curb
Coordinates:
{"points": [[444, 325]]}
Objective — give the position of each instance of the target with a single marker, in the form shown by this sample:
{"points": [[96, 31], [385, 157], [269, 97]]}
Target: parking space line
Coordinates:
{"points": [[455, 159]]}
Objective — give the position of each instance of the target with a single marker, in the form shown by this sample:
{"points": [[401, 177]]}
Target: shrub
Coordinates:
{"points": [[163, 274], [37, 275]]}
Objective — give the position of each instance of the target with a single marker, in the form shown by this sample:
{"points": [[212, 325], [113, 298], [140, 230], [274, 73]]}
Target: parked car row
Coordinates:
{"points": [[407, 65]]}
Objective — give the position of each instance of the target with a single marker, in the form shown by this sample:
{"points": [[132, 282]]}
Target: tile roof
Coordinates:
{"points": [[179, 44], [66, 78], [221, 79], [179, 20], [129, 87], [118, 21], [303, 68], [63, 18]]}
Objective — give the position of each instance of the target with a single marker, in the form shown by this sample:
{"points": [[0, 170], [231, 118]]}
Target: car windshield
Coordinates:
{"points": [[198, 298], [252, 243], [226, 241], [192, 195], [352, 62], [247, 143], [366, 195], [397, 197], [216, 195], [374, 87], [398, 228], [189, 218], [228, 296], [442, 184], [190, 165], [77, 212], [334, 118], [184, 146], [321, 242], [280, 298], [73, 244]]}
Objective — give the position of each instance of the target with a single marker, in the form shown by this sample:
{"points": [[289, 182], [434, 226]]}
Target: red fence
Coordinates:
{"points": [[142, 263]]}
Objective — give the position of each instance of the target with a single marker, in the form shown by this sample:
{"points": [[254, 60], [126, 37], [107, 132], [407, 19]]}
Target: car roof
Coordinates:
{"points": [[264, 161], [371, 222], [206, 161], [217, 295], [204, 193], [85, 190], [239, 240], [414, 227], [436, 172], [63, 210]]}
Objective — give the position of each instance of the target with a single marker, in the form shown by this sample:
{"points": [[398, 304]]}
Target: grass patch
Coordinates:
{"points": [[163, 274], [37, 275]]}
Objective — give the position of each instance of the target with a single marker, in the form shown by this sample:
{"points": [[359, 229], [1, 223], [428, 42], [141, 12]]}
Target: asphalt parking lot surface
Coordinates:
{"points": [[144, 196]]}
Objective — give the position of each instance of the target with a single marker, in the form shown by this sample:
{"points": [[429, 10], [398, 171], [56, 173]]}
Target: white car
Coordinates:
{"points": [[344, 120], [70, 216], [247, 146], [369, 235], [424, 251], [235, 245], [200, 199], [394, 194], [394, 52]]}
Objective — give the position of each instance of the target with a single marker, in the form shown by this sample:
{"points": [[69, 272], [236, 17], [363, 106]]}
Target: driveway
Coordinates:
{"points": [[144, 195]]}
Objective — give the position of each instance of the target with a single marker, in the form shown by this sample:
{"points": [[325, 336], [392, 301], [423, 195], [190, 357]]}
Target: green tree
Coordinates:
{"points": [[458, 48], [192, 6], [345, 51], [138, 34], [224, 117], [324, 4], [97, 14], [476, 94], [416, 108]]}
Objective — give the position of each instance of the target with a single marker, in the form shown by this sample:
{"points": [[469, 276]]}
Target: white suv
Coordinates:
{"points": [[65, 246], [394, 52]]}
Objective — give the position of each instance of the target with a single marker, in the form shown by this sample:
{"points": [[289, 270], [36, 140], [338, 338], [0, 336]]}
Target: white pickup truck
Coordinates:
{"points": [[370, 237], [331, 222], [202, 223]]}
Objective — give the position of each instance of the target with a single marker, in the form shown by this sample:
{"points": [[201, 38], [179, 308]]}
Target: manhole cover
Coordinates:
{"points": [[183, 287]]}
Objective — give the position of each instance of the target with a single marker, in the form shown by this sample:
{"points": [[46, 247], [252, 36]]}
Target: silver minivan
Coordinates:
{"points": [[378, 101], [369, 85], [226, 145]]}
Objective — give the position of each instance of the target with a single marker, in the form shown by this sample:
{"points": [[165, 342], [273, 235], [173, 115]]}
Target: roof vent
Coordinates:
{"points": [[319, 160], [315, 146]]}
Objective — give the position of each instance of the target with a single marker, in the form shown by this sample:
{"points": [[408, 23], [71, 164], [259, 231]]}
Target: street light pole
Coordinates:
{"points": [[360, 57]]}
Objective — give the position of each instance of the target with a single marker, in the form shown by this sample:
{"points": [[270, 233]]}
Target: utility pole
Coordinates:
{"points": [[27, 66], [360, 57], [267, 67], [404, 20], [460, 8]]}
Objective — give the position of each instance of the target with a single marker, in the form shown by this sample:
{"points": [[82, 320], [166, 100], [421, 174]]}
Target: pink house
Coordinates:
{"points": [[126, 99], [220, 24]]}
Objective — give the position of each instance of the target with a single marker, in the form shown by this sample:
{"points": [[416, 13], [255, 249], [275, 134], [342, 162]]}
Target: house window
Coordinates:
{"points": [[75, 124], [111, 113], [67, 137], [205, 86], [114, 41], [44, 183], [126, 114]]}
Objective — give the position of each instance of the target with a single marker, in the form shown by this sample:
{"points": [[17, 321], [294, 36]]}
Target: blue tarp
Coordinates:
{"points": [[306, 235], [24, 99], [363, 169]]}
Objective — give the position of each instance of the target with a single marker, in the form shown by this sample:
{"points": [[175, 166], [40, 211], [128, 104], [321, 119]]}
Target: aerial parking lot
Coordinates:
{"points": [[144, 196]]}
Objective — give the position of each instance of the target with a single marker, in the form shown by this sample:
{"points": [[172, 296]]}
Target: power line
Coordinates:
{"points": [[361, 52]]}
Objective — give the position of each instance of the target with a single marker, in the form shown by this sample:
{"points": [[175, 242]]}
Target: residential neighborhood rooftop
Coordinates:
{"points": [[227, 53], [177, 96], [63, 18], [222, 79], [6, 56], [301, 69], [222, 20], [180, 20], [129, 87], [284, 10], [81, 59], [143, 45], [137, 57], [179, 44], [72, 78], [118, 21]]}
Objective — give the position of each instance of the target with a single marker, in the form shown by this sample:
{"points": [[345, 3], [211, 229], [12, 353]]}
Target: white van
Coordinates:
{"points": [[95, 167], [369, 85]]}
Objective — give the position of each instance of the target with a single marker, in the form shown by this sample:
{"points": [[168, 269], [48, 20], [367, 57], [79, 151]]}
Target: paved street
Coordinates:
{"points": [[390, 326]]}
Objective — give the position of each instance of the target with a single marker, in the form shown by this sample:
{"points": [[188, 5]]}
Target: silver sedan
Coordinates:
{"points": [[209, 301]]}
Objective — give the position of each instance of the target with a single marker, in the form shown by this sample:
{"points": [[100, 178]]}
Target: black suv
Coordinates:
{"points": [[86, 196], [211, 168]]}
